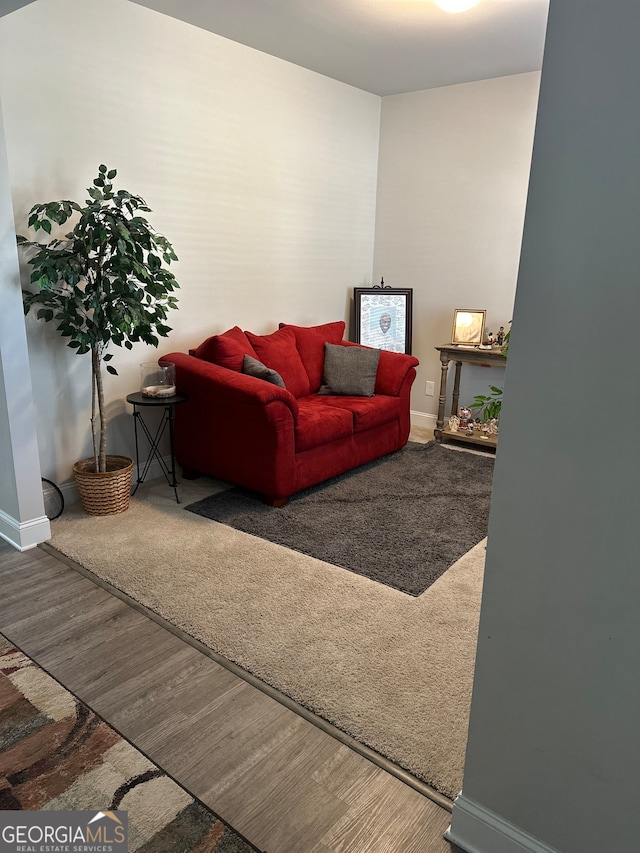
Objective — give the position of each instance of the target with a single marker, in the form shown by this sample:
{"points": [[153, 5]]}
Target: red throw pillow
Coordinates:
{"points": [[278, 351], [227, 350], [310, 341]]}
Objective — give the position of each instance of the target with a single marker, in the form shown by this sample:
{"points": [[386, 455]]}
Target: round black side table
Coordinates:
{"points": [[137, 400]]}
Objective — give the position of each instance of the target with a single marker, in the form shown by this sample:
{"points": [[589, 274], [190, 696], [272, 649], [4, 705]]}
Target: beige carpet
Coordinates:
{"points": [[393, 671]]}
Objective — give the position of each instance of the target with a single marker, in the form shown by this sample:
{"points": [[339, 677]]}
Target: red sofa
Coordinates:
{"points": [[279, 440]]}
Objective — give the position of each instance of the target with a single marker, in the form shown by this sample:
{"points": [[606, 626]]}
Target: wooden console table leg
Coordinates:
{"points": [[442, 400], [456, 389]]}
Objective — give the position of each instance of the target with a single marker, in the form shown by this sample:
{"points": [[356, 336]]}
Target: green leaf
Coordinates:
{"points": [[111, 174], [111, 369], [102, 169]]}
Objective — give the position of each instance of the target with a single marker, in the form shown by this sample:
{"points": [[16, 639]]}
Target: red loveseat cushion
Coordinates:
{"points": [[226, 350], [278, 351], [319, 423], [367, 412], [310, 341]]}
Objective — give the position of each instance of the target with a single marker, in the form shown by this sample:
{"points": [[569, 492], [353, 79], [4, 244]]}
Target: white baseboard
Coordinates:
{"points": [[69, 492], [422, 420], [476, 829], [24, 535]]}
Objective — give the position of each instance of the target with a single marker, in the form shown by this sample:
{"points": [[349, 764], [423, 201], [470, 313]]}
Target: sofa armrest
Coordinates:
{"points": [[393, 369], [199, 378], [234, 427]]}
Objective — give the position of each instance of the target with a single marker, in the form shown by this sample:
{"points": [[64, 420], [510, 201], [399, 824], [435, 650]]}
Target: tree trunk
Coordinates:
{"points": [[97, 373], [94, 430]]}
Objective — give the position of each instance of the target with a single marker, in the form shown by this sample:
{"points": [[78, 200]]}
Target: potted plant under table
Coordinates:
{"points": [[105, 282]]}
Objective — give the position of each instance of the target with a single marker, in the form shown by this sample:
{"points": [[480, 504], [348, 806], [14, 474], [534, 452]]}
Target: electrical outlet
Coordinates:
{"points": [[429, 389]]}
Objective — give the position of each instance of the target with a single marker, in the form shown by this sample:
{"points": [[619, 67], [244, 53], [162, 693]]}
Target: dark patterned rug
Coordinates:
{"points": [[57, 755], [402, 520]]}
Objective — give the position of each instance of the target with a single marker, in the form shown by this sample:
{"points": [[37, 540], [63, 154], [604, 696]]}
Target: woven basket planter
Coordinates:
{"points": [[104, 493]]}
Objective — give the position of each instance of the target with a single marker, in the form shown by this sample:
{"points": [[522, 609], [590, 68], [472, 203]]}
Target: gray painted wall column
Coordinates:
{"points": [[22, 519], [553, 758]]}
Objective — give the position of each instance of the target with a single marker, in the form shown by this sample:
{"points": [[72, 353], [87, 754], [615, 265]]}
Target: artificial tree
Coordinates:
{"points": [[103, 282]]}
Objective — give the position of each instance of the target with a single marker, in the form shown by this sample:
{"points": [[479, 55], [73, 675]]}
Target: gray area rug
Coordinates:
{"points": [[401, 520]]}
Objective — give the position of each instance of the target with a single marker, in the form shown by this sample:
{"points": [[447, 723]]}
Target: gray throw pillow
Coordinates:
{"points": [[252, 367], [349, 371]]}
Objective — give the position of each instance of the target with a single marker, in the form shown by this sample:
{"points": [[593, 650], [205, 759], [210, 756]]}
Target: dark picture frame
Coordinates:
{"points": [[383, 317]]}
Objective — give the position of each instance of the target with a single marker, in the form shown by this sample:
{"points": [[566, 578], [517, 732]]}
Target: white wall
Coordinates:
{"points": [[261, 173], [554, 743], [452, 186], [22, 518]]}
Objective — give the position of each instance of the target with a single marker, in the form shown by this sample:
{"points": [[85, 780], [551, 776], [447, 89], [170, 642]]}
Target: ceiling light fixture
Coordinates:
{"points": [[455, 5]]}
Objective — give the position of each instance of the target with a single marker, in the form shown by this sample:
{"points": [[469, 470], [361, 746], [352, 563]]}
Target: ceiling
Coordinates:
{"points": [[382, 46]]}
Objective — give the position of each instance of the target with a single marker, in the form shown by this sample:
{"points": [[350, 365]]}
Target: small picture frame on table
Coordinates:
{"points": [[383, 317], [468, 327]]}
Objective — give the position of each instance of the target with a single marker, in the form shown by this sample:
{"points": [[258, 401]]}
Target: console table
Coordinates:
{"points": [[462, 355]]}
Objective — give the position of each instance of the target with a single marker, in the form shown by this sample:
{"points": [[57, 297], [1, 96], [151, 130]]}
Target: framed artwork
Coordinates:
{"points": [[383, 317], [468, 327]]}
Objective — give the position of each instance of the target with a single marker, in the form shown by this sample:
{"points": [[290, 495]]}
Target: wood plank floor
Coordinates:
{"points": [[280, 781]]}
